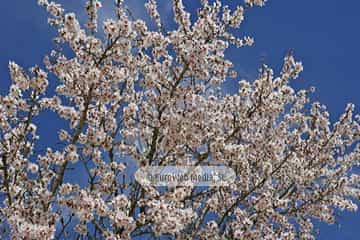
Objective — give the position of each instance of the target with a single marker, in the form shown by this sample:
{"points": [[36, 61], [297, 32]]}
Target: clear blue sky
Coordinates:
{"points": [[324, 34]]}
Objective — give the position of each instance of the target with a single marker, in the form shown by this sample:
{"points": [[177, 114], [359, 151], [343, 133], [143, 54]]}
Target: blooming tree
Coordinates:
{"points": [[144, 95]]}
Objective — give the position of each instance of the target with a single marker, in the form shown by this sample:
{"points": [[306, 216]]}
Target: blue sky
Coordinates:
{"points": [[324, 35]]}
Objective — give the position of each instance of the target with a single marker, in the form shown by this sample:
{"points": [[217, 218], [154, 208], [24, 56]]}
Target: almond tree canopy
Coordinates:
{"points": [[138, 94]]}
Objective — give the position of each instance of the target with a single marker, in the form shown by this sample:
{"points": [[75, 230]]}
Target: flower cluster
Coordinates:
{"points": [[21, 229], [151, 7], [251, 3], [92, 7]]}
